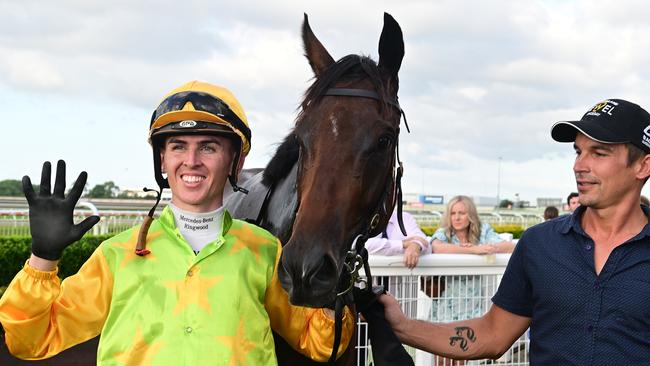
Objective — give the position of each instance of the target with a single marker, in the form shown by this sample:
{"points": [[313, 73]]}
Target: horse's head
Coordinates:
{"points": [[346, 147]]}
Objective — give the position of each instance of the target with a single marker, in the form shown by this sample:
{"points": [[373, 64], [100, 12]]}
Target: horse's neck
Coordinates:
{"points": [[280, 212]]}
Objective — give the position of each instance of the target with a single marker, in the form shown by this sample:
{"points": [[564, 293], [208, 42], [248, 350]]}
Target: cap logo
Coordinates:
{"points": [[604, 107], [646, 136], [187, 124]]}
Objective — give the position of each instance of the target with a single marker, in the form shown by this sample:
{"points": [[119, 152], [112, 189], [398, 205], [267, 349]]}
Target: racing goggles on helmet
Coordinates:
{"points": [[203, 102]]}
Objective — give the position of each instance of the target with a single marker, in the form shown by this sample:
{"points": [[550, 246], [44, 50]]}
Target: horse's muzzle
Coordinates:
{"points": [[310, 281]]}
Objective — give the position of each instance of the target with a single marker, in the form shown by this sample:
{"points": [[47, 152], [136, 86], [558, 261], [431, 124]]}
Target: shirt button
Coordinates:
{"points": [[596, 287], [590, 328], [188, 330], [190, 273], [587, 246]]}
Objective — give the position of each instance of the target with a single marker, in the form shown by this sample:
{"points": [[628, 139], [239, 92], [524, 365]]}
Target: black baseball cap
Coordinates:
{"points": [[612, 121]]}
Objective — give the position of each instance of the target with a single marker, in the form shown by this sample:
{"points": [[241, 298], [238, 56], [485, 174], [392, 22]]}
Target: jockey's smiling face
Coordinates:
{"points": [[197, 168]]}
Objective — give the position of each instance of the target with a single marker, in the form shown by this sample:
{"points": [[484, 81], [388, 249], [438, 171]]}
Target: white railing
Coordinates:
{"points": [[525, 219], [16, 222], [443, 288]]}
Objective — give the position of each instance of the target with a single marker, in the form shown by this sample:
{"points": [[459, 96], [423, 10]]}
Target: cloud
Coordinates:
{"points": [[31, 69], [480, 80]]}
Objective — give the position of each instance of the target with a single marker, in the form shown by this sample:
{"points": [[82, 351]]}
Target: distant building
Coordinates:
{"points": [[545, 202], [425, 199], [484, 201]]}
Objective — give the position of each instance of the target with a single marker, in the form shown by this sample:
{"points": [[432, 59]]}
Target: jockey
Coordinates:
{"points": [[200, 288]]}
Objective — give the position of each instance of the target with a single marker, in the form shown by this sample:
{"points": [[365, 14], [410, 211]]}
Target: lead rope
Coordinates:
{"points": [[353, 262], [338, 328]]}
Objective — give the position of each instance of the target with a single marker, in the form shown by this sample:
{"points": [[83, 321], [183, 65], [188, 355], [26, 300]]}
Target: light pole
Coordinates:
{"points": [[499, 183]]}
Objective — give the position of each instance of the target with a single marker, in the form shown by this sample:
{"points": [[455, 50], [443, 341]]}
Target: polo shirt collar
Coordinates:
{"points": [[573, 221], [646, 228]]}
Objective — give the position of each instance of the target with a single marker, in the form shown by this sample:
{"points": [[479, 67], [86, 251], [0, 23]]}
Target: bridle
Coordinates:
{"points": [[357, 255]]}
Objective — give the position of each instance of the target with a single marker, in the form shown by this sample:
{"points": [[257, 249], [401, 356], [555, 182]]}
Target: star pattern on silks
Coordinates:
{"points": [[193, 289], [141, 351], [239, 345], [241, 233], [129, 247]]}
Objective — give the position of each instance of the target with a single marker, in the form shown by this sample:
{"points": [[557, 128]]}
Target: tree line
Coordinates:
{"points": [[14, 188]]}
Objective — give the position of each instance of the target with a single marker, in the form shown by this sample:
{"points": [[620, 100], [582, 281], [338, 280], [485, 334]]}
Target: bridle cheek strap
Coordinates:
{"points": [[393, 192]]}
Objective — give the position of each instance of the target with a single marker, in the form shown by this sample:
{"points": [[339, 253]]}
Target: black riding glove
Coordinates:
{"points": [[50, 215]]}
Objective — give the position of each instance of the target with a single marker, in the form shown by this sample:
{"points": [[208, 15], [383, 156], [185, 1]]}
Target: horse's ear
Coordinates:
{"points": [[391, 46], [316, 54]]}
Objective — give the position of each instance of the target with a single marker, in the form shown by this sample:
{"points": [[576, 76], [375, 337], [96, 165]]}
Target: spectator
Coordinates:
{"points": [[461, 231], [550, 213], [580, 282], [393, 242], [572, 201]]}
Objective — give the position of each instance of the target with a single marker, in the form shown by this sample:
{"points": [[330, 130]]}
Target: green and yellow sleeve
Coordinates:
{"points": [[43, 316]]}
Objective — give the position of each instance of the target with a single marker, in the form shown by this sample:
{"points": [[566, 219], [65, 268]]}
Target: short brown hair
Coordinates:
{"points": [[633, 153]]}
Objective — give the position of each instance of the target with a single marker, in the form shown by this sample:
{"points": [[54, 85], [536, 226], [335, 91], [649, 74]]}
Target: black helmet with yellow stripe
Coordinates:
{"points": [[199, 108]]}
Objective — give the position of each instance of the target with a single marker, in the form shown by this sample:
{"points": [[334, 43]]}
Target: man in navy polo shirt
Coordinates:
{"points": [[581, 282]]}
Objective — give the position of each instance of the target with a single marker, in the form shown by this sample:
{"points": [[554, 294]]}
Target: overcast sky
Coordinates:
{"points": [[481, 82]]}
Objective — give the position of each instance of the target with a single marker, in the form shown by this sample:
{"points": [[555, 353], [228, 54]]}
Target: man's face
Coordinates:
{"points": [[602, 174], [574, 202], [197, 168]]}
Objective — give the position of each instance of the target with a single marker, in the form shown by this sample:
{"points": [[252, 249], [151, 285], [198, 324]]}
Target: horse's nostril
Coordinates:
{"points": [[325, 274], [284, 275]]}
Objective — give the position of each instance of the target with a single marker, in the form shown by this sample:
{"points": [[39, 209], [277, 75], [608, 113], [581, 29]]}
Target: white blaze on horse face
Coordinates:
{"points": [[335, 129]]}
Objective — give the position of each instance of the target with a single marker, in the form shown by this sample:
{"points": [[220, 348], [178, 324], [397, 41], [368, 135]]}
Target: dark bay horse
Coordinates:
{"points": [[333, 177]]}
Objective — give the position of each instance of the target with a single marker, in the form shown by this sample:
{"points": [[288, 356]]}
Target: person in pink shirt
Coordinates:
{"points": [[393, 242]]}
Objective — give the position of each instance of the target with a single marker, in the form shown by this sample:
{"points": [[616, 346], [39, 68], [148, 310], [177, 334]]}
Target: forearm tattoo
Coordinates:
{"points": [[463, 334]]}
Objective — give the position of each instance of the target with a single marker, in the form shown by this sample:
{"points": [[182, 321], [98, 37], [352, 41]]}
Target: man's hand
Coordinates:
{"points": [[412, 254], [50, 214], [393, 313]]}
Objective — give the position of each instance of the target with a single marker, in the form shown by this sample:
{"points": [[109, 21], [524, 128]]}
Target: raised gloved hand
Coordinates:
{"points": [[50, 214]]}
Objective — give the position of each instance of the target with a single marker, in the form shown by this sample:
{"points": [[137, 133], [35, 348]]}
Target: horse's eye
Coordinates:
{"points": [[385, 142]]}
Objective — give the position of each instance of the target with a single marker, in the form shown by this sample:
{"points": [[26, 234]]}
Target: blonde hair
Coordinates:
{"points": [[474, 229]]}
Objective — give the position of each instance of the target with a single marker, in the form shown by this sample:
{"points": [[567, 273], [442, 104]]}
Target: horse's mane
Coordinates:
{"points": [[348, 68], [281, 163]]}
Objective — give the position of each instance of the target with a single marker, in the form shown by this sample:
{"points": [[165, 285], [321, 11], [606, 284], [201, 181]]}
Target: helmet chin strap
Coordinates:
{"points": [[234, 185], [232, 178]]}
